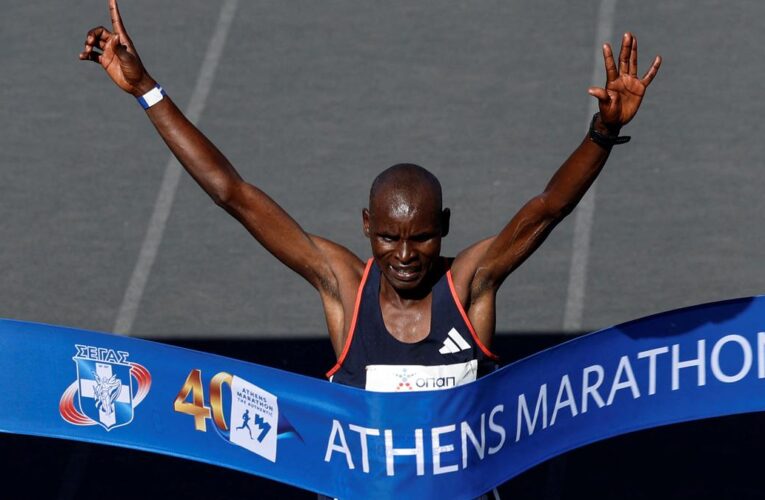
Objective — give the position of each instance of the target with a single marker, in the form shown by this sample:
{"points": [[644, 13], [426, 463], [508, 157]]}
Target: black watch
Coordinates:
{"points": [[606, 141]]}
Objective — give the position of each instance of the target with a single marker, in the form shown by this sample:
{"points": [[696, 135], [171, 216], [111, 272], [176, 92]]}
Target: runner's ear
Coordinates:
{"points": [[365, 221], [445, 217]]}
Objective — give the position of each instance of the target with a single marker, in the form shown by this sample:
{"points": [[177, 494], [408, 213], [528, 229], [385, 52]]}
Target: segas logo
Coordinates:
{"points": [[104, 393]]}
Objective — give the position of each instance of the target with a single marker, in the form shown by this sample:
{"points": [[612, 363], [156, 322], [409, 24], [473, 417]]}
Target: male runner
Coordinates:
{"points": [[407, 314], [407, 306]]}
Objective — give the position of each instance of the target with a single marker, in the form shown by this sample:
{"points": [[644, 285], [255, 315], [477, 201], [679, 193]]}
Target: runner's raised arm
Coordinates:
{"points": [[313, 258], [480, 270]]}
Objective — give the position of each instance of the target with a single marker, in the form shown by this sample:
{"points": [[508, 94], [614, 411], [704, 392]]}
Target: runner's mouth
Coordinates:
{"points": [[405, 274]]}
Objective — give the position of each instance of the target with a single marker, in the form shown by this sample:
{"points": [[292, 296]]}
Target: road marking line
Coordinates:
{"points": [[585, 212], [164, 203]]}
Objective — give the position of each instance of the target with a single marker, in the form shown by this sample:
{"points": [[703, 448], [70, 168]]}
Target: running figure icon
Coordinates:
{"points": [[246, 422]]}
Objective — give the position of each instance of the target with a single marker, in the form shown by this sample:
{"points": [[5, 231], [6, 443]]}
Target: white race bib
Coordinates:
{"points": [[405, 378]]}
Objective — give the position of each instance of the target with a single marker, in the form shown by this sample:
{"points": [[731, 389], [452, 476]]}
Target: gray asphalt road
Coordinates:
{"points": [[310, 100]]}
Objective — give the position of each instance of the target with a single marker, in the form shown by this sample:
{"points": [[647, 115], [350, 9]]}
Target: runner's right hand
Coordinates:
{"points": [[115, 52]]}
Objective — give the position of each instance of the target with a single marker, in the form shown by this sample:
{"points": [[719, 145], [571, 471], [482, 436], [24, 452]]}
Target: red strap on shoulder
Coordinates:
{"points": [[464, 315], [349, 337]]}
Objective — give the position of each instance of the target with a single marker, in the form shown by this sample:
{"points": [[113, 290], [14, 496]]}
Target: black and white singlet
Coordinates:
{"points": [[373, 359]]}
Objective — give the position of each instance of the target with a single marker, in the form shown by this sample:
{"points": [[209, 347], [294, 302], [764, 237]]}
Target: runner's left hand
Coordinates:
{"points": [[621, 98]]}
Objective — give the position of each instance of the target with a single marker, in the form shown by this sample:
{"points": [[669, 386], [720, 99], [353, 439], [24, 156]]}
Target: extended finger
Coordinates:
{"points": [[598, 93], [651, 73], [119, 28], [634, 58], [608, 59], [114, 11], [624, 54]]}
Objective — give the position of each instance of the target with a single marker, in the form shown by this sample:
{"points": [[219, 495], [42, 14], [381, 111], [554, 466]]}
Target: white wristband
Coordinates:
{"points": [[151, 97]]}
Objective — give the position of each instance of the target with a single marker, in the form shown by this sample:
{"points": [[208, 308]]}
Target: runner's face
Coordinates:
{"points": [[405, 235]]}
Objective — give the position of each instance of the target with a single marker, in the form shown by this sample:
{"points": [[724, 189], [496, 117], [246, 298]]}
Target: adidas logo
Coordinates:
{"points": [[455, 343]]}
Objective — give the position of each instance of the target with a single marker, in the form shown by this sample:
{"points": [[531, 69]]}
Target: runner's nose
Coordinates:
{"points": [[404, 252]]}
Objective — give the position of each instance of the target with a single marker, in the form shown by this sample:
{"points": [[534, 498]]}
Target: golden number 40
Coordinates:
{"points": [[196, 408]]}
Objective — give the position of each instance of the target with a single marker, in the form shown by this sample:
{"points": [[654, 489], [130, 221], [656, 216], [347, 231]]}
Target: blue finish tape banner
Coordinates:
{"points": [[693, 363]]}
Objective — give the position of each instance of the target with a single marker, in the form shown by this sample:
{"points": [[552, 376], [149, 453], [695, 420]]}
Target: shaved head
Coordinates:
{"points": [[404, 187]]}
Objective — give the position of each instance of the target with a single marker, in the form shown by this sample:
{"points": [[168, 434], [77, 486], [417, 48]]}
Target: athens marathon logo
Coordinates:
{"points": [[104, 393]]}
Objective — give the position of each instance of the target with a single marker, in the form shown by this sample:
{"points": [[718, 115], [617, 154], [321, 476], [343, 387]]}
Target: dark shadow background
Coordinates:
{"points": [[716, 458]]}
